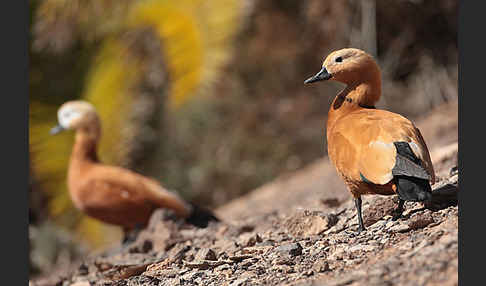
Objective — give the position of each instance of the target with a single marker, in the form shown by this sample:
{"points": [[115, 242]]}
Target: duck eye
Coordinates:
{"points": [[339, 59]]}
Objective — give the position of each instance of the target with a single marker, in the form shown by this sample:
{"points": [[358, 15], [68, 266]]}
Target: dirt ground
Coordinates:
{"points": [[299, 230]]}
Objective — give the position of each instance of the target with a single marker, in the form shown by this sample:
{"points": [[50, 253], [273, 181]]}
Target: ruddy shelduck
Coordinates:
{"points": [[374, 151], [113, 194]]}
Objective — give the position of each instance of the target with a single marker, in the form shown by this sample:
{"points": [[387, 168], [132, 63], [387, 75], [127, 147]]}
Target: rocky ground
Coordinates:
{"points": [[299, 230]]}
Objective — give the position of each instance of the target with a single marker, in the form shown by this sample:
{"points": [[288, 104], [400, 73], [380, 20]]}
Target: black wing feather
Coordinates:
{"points": [[407, 164], [410, 176]]}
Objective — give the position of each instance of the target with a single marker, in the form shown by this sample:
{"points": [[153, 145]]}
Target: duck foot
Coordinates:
{"points": [[355, 233]]}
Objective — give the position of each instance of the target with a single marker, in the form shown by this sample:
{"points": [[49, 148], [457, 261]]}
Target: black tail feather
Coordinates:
{"points": [[413, 189], [201, 217]]}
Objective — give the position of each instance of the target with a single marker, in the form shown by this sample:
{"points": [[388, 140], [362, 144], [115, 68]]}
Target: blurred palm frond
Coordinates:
{"points": [[197, 39]]}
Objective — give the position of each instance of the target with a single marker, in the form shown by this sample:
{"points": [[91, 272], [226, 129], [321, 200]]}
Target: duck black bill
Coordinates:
{"points": [[56, 129], [323, 74]]}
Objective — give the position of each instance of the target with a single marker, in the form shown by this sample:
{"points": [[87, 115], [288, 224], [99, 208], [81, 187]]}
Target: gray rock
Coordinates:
{"points": [[292, 249], [206, 254]]}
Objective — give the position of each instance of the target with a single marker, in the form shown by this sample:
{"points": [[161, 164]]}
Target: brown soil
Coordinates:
{"points": [[299, 230]]}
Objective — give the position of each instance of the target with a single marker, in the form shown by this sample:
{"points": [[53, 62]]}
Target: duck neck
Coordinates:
{"points": [[86, 144], [354, 97]]}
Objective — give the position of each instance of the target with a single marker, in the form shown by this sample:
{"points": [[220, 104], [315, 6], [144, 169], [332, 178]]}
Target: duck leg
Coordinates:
{"points": [[397, 213], [357, 203], [130, 234]]}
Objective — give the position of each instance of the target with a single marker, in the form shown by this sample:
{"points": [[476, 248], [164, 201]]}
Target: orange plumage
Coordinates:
{"points": [[112, 194], [374, 151]]}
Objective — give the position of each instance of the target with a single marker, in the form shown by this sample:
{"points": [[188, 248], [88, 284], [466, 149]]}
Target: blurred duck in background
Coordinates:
{"points": [[374, 151], [112, 194]]}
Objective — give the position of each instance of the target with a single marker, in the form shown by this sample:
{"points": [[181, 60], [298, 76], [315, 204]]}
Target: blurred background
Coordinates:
{"points": [[207, 96]]}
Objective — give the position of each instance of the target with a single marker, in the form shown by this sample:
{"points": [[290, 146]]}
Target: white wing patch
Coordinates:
{"points": [[380, 144]]}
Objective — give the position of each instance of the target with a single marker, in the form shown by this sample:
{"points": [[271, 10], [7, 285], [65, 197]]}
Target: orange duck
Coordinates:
{"points": [[111, 194], [374, 151]]}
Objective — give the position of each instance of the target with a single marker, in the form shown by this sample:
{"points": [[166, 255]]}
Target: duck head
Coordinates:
{"points": [[349, 66], [74, 115]]}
